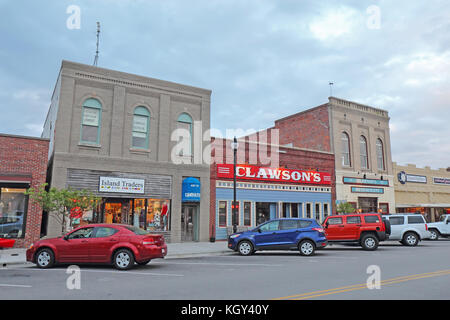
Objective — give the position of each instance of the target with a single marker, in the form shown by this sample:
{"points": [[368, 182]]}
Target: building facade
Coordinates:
{"points": [[298, 183], [359, 137], [23, 165], [422, 190], [131, 140]]}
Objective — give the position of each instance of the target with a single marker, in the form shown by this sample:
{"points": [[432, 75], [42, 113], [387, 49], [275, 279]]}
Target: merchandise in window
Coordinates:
{"points": [[12, 212]]}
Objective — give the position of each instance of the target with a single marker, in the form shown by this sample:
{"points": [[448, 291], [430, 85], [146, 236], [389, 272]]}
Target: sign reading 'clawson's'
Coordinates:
{"points": [[122, 185], [248, 172]]}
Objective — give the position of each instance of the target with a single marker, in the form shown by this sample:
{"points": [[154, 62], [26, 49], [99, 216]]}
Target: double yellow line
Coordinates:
{"points": [[362, 286]]}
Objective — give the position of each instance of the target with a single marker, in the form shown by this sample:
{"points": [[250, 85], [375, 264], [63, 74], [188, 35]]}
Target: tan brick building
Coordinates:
{"points": [[422, 190]]}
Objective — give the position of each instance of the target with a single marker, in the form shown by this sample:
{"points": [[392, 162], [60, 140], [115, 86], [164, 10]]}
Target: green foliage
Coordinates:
{"points": [[345, 207], [60, 202]]}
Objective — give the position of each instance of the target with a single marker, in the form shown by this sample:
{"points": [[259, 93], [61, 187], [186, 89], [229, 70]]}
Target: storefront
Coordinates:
{"points": [[190, 209], [422, 190], [23, 164], [140, 200], [268, 193]]}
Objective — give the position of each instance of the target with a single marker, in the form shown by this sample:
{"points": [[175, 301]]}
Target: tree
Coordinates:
{"points": [[63, 204], [345, 207]]}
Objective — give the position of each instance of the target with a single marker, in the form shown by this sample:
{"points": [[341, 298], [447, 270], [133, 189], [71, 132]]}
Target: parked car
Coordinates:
{"points": [[114, 244], [440, 228], [409, 229], [366, 229], [305, 235]]}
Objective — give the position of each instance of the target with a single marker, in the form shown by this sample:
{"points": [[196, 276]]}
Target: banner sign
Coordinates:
{"points": [[121, 185], [444, 181], [191, 190], [404, 177], [367, 190], [249, 172], [373, 182]]}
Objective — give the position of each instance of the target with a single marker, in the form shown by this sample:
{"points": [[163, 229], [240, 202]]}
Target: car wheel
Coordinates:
{"points": [[434, 234], [410, 239], [45, 258], [123, 259], [245, 248], [369, 242], [306, 248], [143, 263]]}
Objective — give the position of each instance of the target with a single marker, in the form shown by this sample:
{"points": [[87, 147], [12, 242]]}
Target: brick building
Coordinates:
{"points": [[359, 137], [279, 185], [23, 164]]}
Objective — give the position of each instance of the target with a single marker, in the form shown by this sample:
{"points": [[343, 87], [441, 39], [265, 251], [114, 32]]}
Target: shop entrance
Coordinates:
{"points": [[368, 204], [189, 223]]}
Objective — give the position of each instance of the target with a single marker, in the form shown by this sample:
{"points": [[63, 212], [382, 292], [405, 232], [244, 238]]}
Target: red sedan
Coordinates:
{"points": [[116, 244]]}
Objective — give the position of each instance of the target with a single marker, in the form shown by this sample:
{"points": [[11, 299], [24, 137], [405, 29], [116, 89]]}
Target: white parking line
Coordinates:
{"points": [[15, 285], [107, 271], [223, 264]]}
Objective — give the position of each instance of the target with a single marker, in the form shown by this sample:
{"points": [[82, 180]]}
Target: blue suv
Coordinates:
{"points": [[305, 235]]}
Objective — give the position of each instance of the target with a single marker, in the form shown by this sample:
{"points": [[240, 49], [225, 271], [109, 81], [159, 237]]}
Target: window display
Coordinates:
{"points": [[12, 212], [157, 215]]}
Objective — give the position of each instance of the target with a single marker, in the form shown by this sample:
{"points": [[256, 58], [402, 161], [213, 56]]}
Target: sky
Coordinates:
{"points": [[262, 59]]}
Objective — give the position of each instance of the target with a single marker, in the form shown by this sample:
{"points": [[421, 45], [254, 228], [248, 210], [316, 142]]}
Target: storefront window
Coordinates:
{"points": [[139, 213], [157, 215], [12, 212], [247, 213], [222, 213]]}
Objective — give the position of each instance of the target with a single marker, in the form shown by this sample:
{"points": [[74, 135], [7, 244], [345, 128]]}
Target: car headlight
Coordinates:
{"points": [[233, 236]]}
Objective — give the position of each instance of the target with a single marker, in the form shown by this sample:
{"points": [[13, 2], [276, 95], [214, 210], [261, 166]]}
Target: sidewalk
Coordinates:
{"points": [[174, 251]]}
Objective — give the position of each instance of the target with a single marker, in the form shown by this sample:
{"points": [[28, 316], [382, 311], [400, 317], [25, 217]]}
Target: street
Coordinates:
{"points": [[337, 272]]}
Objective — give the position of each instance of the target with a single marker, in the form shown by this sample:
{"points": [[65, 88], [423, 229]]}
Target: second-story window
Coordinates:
{"points": [[345, 149], [380, 154], [185, 122], [91, 121], [363, 152], [141, 127]]}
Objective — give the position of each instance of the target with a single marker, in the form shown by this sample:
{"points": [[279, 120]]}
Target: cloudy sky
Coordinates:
{"points": [[263, 59]]}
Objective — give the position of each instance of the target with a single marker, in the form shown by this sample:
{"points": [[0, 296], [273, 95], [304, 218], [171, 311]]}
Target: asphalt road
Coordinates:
{"points": [[337, 272]]}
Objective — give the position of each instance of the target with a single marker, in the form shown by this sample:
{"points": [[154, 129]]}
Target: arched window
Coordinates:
{"points": [[141, 128], [363, 152], [345, 149], [91, 118], [380, 154], [185, 122]]}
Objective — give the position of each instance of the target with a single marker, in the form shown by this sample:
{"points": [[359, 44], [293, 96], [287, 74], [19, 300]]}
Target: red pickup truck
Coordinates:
{"points": [[367, 229]]}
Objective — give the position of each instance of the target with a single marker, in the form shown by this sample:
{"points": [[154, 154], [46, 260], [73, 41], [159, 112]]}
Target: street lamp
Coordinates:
{"points": [[234, 146]]}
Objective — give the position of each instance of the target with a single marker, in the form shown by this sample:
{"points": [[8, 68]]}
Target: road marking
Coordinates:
{"points": [[315, 294], [222, 264], [14, 285], [109, 271]]}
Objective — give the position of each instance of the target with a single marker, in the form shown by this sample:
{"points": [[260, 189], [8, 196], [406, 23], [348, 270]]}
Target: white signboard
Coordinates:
{"points": [[90, 116], [121, 185]]}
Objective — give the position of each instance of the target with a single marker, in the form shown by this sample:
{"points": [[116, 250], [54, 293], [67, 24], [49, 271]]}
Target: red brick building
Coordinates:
{"points": [[23, 164], [263, 198]]}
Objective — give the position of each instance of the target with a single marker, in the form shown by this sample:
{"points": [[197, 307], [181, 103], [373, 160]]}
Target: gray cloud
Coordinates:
{"points": [[263, 59]]}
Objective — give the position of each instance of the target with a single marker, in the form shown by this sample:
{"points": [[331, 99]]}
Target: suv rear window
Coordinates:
{"points": [[289, 224], [371, 219], [395, 221], [415, 220]]}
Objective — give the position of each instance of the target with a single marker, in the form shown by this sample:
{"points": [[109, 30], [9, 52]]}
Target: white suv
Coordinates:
{"points": [[409, 229], [441, 228]]}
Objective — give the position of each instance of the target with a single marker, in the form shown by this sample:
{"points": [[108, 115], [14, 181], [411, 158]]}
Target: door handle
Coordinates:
{"points": [[113, 240], [340, 226], [84, 241]]}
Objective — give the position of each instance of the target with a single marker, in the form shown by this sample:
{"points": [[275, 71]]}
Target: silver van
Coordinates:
{"points": [[409, 229]]}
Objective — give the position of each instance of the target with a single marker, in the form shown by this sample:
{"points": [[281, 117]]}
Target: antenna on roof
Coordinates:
{"points": [[98, 36], [331, 88]]}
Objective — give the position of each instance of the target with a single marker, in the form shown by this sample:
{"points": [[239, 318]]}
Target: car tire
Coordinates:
{"points": [[123, 259], [410, 239], [45, 258], [143, 263], [369, 242], [307, 248], [434, 234], [245, 248]]}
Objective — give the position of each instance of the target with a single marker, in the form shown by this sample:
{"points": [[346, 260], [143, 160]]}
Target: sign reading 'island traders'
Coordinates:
{"points": [[122, 185]]}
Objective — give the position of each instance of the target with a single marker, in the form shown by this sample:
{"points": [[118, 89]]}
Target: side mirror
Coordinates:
{"points": [[259, 230], [66, 237]]}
